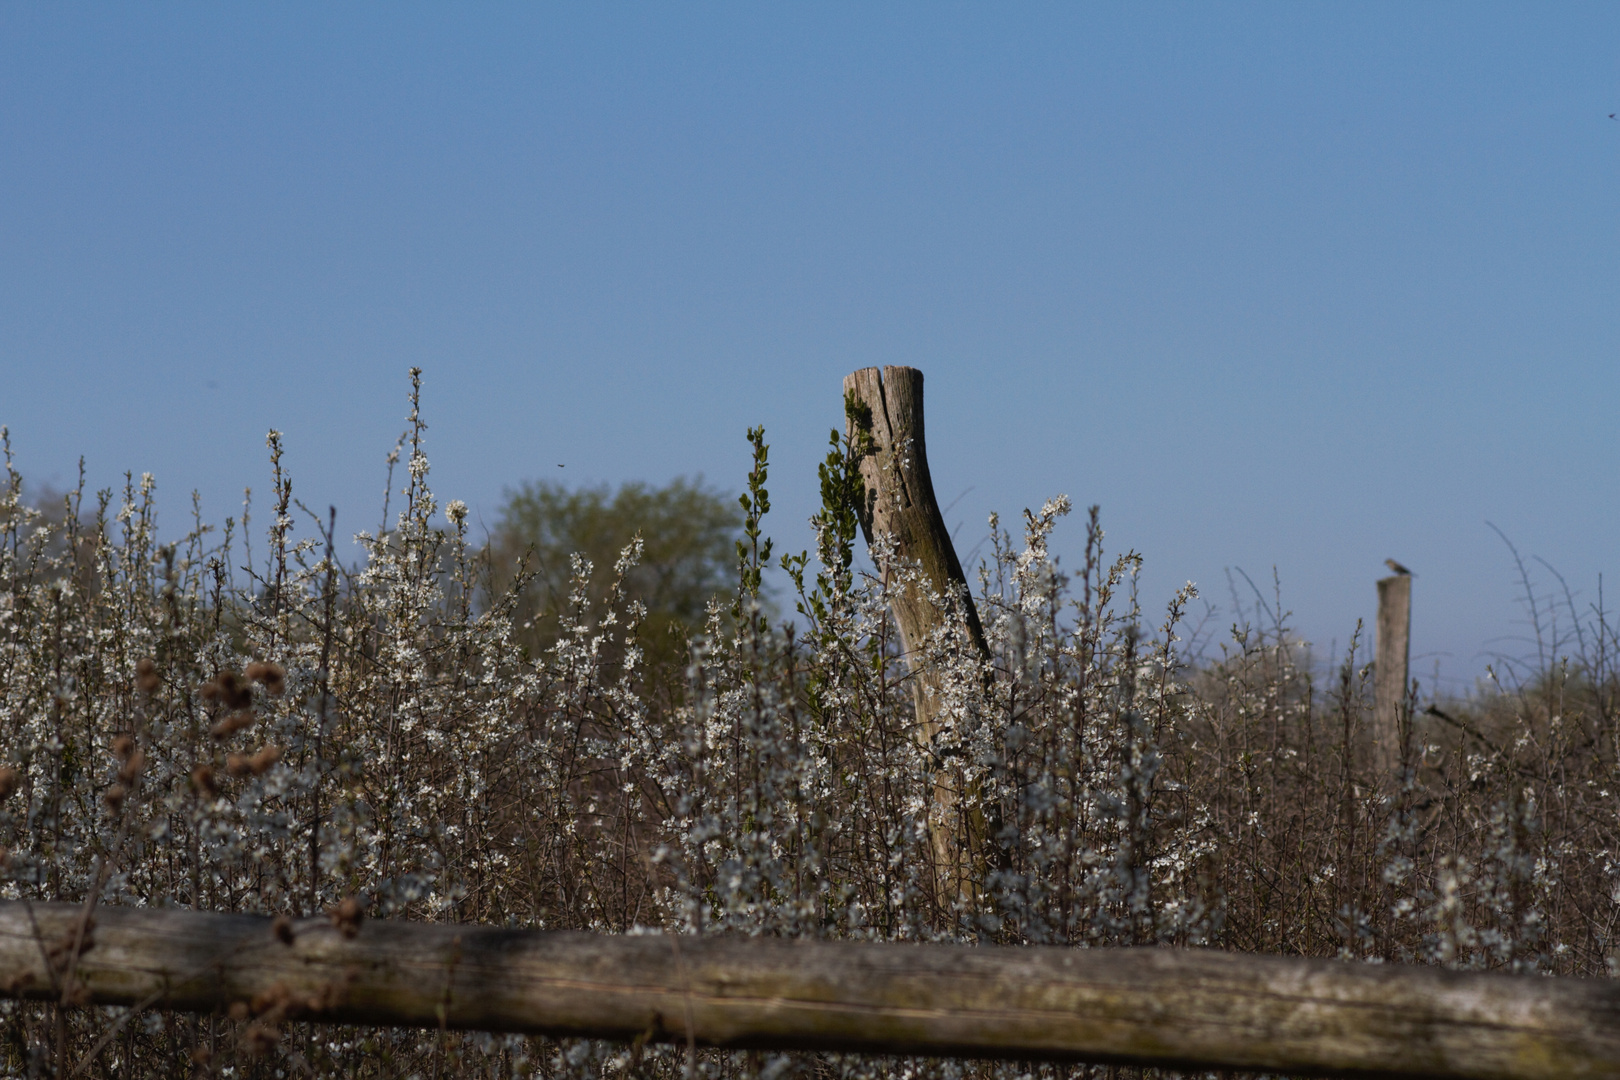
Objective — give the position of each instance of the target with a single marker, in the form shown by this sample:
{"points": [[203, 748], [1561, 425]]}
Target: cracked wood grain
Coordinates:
{"points": [[1193, 1008]]}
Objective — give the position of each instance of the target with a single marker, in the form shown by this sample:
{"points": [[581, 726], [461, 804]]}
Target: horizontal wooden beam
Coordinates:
{"points": [[1194, 1008]]}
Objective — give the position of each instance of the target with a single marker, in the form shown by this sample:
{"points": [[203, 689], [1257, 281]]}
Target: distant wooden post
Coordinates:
{"points": [[900, 505], [1391, 675]]}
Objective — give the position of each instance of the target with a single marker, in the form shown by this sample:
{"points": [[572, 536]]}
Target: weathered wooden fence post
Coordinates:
{"points": [[887, 416], [1197, 1009], [1391, 674]]}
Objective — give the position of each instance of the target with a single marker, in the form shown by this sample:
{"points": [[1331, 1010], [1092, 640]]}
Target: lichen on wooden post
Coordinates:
{"points": [[885, 418]]}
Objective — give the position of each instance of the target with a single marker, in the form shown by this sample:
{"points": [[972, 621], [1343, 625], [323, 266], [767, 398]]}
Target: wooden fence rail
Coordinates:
{"points": [[1192, 1008]]}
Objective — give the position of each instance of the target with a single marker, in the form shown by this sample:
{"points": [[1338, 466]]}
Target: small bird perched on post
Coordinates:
{"points": [[1397, 567]]}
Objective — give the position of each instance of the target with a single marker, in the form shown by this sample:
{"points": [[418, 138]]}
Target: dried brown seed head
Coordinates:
{"points": [[231, 725], [265, 758], [346, 916], [123, 746], [203, 781], [9, 780], [115, 796], [273, 998], [282, 928], [272, 676], [132, 767], [237, 765], [262, 1038], [146, 675], [229, 689], [202, 1056]]}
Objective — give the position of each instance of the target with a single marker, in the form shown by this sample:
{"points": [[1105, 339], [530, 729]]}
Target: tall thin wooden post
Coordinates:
{"points": [[887, 418], [1391, 674]]}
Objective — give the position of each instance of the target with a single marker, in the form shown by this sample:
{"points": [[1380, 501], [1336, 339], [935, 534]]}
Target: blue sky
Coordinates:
{"points": [[1292, 286]]}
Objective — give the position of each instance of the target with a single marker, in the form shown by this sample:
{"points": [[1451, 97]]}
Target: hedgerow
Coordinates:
{"points": [[226, 723]]}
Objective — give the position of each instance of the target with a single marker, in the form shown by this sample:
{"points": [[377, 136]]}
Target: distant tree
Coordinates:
{"points": [[689, 533]]}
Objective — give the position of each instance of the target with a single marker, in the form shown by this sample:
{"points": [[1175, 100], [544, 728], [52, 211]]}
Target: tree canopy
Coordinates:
{"points": [[688, 532]]}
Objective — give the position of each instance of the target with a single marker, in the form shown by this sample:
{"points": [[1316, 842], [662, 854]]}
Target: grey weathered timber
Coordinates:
{"points": [[1191, 1008], [1391, 674], [900, 506], [900, 502]]}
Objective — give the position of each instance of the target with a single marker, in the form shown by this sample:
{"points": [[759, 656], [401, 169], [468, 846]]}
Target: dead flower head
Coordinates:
{"points": [[262, 1038], [203, 781], [273, 677], [346, 916], [229, 689], [146, 675], [272, 1003], [265, 758], [231, 725]]}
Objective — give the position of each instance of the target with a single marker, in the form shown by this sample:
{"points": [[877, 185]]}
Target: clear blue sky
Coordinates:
{"points": [[1285, 285]]}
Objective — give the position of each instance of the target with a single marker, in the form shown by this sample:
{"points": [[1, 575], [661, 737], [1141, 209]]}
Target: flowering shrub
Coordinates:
{"points": [[216, 724]]}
